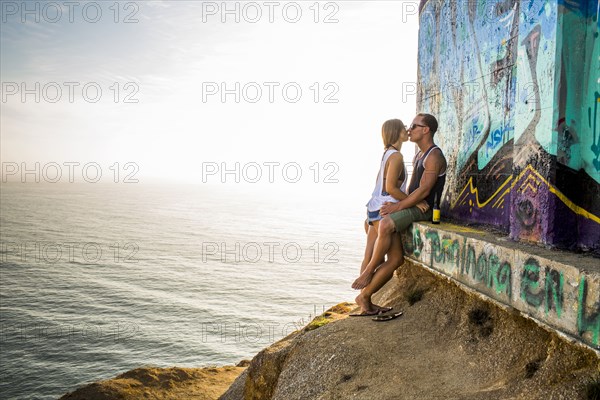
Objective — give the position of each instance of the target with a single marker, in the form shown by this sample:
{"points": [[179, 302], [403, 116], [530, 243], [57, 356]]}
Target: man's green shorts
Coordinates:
{"points": [[403, 218]]}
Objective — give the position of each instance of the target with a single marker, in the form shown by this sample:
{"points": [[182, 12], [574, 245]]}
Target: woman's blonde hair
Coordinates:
{"points": [[390, 131]]}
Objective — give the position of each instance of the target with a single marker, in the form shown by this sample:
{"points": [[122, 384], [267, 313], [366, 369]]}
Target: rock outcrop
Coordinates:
{"points": [[448, 344], [161, 383]]}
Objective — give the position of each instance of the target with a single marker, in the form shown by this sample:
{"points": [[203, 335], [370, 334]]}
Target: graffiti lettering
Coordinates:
{"points": [[450, 250], [468, 262], [496, 138], [540, 288], [551, 294], [483, 268], [436, 251], [447, 249], [503, 279], [495, 274], [587, 323], [417, 242], [530, 281], [480, 268], [596, 144], [554, 290]]}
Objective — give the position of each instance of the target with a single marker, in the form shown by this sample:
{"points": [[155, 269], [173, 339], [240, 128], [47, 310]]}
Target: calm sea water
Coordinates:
{"points": [[99, 279]]}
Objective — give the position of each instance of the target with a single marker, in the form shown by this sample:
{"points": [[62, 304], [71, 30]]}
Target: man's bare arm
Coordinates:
{"points": [[433, 168]]}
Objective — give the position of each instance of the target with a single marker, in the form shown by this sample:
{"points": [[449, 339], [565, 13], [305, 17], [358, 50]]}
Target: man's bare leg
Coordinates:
{"points": [[382, 275], [382, 246]]}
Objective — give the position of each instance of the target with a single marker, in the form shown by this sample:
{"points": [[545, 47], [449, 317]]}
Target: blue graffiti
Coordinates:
{"points": [[596, 144], [473, 133], [497, 137]]}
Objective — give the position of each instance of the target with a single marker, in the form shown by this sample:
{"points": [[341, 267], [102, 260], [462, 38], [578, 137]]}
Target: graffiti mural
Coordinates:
{"points": [[515, 86], [560, 295]]}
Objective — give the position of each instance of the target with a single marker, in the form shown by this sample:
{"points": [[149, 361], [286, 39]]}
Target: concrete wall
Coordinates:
{"points": [[558, 289], [515, 86]]}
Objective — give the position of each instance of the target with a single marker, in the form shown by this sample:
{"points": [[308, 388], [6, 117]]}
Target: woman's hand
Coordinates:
{"points": [[423, 206]]}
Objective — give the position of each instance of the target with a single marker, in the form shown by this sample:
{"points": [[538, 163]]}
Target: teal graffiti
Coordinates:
{"points": [[442, 250], [486, 269], [554, 290], [503, 279], [481, 268], [450, 250], [551, 294], [493, 266], [587, 323], [468, 263], [436, 251], [530, 281], [417, 242], [412, 242], [596, 144]]}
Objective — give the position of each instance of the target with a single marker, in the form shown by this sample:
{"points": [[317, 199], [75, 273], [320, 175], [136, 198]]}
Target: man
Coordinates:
{"points": [[427, 183]]}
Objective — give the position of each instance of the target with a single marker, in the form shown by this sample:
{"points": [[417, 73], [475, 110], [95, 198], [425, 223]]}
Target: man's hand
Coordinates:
{"points": [[388, 208]]}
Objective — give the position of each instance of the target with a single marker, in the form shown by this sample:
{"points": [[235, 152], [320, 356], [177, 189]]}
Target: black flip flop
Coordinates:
{"points": [[368, 314], [389, 317]]}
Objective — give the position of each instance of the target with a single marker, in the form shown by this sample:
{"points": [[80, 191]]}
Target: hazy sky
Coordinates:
{"points": [[161, 67]]}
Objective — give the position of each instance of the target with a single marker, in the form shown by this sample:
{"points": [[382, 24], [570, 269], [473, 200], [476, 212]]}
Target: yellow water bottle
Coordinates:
{"points": [[437, 214]]}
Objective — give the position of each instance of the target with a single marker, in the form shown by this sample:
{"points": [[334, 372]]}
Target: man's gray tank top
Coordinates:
{"points": [[419, 169]]}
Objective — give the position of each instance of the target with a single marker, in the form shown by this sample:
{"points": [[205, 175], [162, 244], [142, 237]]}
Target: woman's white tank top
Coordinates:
{"points": [[379, 195]]}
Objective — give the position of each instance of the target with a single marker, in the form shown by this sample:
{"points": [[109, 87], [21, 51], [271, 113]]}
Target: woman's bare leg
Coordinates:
{"points": [[371, 238], [382, 275]]}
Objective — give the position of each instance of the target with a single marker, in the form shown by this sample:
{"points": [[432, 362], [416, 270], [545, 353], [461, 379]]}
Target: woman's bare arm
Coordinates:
{"points": [[394, 169]]}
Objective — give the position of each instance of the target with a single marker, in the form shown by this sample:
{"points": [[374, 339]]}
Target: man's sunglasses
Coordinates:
{"points": [[414, 126]]}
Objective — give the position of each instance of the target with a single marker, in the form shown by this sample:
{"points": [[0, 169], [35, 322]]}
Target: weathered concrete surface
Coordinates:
{"points": [[558, 289]]}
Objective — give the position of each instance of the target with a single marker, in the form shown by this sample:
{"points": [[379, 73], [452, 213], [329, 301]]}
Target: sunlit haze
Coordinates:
{"points": [[162, 67]]}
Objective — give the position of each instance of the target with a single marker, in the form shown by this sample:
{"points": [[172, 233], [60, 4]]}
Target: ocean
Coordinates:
{"points": [[97, 279]]}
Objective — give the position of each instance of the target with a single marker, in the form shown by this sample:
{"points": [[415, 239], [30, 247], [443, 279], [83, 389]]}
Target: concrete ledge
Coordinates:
{"points": [[559, 290]]}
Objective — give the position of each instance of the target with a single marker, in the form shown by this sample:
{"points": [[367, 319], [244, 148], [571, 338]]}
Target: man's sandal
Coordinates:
{"points": [[389, 317]]}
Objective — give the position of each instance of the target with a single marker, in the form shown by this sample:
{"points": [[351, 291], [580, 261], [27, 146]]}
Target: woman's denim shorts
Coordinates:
{"points": [[373, 216]]}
